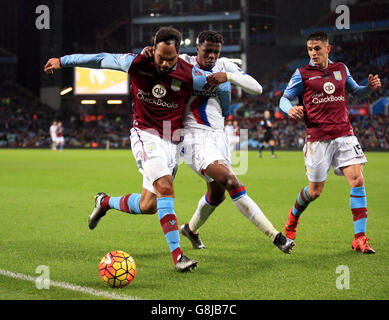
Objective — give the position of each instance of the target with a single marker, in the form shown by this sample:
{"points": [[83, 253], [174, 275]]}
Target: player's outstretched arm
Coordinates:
{"points": [[119, 62]]}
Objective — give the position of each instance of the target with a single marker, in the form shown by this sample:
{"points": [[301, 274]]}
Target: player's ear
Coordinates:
{"points": [[329, 47]]}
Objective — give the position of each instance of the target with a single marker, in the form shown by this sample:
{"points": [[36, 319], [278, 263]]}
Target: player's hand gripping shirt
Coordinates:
{"points": [[204, 109], [158, 100], [322, 92]]}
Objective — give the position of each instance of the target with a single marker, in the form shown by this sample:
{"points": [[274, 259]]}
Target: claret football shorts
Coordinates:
{"points": [[341, 152], [154, 156], [202, 147]]}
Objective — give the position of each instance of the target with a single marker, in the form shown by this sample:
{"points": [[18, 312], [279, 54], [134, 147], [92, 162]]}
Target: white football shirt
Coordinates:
{"points": [[205, 111]]}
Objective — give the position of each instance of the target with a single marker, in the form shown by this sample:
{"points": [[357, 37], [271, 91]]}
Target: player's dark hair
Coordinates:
{"points": [[168, 35], [210, 36], [319, 36]]}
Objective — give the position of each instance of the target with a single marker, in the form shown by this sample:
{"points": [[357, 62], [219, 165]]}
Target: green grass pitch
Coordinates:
{"points": [[46, 198]]}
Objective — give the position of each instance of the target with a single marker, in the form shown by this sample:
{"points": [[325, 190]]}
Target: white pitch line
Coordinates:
{"points": [[69, 286]]}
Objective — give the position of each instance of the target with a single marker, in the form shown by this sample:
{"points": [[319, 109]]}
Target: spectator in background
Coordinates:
{"points": [[60, 141], [53, 135]]}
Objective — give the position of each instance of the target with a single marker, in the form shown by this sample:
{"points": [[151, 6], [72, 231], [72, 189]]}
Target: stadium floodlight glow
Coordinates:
{"points": [[187, 42], [88, 102], [66, 91], [115, 102]]}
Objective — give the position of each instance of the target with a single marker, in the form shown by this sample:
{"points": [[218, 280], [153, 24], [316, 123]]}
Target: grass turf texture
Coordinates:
{"points": [[47, 198]]}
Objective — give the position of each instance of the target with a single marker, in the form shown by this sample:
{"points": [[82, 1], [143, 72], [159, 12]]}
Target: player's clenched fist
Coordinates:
{"points": [[374, 82], [214, 80], [296, 112], [51, 65]]}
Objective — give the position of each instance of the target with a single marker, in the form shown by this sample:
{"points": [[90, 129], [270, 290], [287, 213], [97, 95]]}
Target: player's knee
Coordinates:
{"points": [[164, 186], [148, 207], [230, 182], [315, 193], [217, 199], [357, 181]]}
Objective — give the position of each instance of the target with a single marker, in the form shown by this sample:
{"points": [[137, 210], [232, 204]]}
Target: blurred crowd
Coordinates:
{"points": [[372, 132], [26, 122]]}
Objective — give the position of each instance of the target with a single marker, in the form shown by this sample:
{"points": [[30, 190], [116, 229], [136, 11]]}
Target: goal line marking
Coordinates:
{"points": [[69, 286]]}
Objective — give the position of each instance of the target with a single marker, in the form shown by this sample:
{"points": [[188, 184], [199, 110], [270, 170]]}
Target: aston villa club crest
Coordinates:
{"points": [[338, 75], [150, 147], [176, 85]]}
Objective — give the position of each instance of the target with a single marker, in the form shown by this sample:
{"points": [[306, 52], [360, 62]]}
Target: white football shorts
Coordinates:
{"points": [[154, 156], [60, 140], [202, 147], [341, 152]]}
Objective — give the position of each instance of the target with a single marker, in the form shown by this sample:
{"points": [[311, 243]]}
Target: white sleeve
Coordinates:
{"points": [[239, 78], [186, 58]]}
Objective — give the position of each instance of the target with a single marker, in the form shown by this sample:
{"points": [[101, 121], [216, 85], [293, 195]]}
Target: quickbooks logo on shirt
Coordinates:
{"points": [[329, 88], [330, 98], [146, 97], [159, 91]]}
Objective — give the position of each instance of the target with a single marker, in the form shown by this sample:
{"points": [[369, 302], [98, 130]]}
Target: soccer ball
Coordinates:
{"points": [[117, 269]]}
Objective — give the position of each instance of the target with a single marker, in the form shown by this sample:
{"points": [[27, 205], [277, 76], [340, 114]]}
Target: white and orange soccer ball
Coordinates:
{"points": [[117, 269]]}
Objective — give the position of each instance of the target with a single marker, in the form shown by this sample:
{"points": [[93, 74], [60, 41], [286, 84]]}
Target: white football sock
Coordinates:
{"points": [[203, 212], [252, 212]]}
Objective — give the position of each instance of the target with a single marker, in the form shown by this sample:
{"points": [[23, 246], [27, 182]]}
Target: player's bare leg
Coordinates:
{"points": [[148, 202], [358, 204]]}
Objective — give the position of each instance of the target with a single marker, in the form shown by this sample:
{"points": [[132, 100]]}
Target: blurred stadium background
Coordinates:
{"points": [[266, 37]]}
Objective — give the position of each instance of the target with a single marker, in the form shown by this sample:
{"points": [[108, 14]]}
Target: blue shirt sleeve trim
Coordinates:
{"points": [[295, 86], [120, 62], [285, 104]]}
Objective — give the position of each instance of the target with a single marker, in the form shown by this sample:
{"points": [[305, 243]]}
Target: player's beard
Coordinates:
{"points": [[163, 70]]}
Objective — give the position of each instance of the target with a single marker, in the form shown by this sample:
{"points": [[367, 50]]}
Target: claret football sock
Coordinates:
{"points": [[302, 202], [168, 219], [252, 212], [358, 206], [128, 203], [203, 212]]}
